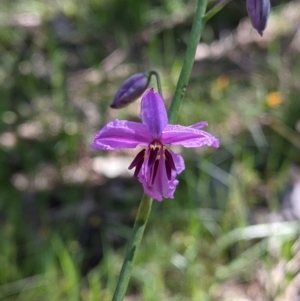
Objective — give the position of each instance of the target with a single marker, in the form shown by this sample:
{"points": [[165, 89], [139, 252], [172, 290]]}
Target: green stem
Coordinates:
{"points": [[152, 72], [146, 202], [187, 66], [133, 245], [219, 6]]}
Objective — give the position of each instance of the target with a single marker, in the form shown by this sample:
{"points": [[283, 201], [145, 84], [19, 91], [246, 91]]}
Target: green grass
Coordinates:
{"points": [[213, 241]]}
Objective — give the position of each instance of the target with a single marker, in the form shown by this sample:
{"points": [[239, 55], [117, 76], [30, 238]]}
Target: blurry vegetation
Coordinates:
{"points": [[66, 211]]}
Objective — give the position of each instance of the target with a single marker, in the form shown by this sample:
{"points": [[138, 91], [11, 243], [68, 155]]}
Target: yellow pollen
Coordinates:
{"points": [[154, 146]]}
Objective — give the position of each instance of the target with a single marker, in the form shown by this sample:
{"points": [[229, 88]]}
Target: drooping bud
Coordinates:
{"points": [[131, 89], [258, 11]]}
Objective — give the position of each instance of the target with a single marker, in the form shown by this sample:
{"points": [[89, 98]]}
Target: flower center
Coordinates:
{"points": [[156, 152]]}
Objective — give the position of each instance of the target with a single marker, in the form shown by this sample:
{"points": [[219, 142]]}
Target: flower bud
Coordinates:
{"points": [[258, 11], [131, 89]]}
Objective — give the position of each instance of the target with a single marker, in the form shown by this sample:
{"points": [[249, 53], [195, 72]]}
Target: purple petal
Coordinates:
{"points": [[179, 162], [153, 113], [258, 11], [187, 136], [130, 90], [121, 134], [161, 187], [199, 125]]}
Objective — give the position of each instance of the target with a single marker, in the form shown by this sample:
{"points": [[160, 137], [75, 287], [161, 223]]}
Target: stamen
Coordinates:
{"points": [[153, 154], [154, 171], [137, 169], [139, 157], [168, 170], [169, 160], [138, 162]]}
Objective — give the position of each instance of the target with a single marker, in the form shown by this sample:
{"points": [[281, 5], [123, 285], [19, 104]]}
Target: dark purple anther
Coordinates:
{"points": [[258, 11], [131, 89]]}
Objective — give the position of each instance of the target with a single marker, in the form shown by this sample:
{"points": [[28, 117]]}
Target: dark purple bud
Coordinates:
{"points": [[131, 90], [258, 11]]}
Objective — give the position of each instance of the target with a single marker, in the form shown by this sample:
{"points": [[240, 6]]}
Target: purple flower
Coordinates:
{"points": [[258, 11], [131, 90], [156, 166]]}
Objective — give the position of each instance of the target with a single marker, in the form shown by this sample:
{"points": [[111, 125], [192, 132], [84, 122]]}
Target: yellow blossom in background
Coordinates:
{"points": [[222, 82], [274, 99], [218, 86]]}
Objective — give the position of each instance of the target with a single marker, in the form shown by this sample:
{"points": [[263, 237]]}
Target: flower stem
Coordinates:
{"points": [[146, 202], [187, 66], [152, 72], [215, 10], [133, 245]]}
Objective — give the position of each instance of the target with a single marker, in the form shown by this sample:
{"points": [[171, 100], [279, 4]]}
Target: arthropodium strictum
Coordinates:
{"points": [[258, 11]]}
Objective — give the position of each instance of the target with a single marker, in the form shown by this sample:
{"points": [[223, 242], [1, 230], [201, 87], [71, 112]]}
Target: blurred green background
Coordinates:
{"points": [[66, 211]]}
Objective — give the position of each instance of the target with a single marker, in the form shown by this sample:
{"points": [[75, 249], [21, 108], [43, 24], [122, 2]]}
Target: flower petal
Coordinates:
{"points": [[121, 134], [131, 90], [179, 162], [258, 11], [187, 136], [199, 125], [161, 187], [153, 113]]}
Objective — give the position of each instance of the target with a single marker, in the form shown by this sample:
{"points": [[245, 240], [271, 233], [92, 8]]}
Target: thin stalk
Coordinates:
{"points": [[133, 245], [146, 202], [158, 82], [188, 62], [219, 6]]}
